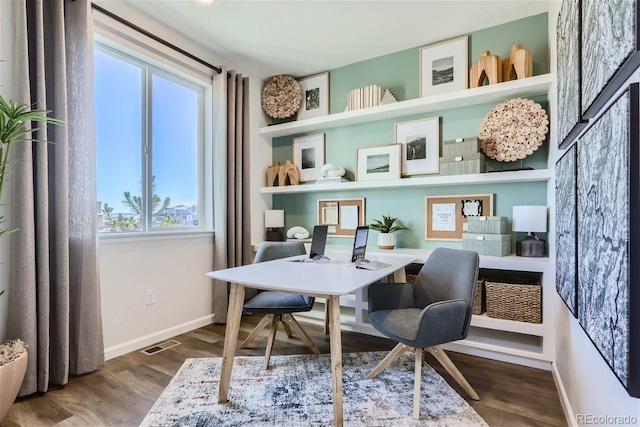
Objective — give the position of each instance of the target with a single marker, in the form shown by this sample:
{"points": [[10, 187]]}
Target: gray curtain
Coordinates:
{"points": [[54, 292], [231, 187]]}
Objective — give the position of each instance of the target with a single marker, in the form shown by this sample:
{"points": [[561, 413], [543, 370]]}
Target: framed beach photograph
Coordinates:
{"points": [[308, 156], [446, 216], [420, 141], [379, 162], [444, 67], [315, 96]]}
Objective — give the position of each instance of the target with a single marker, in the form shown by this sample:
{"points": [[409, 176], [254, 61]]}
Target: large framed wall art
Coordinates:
{"points": [[609, 50], [566, 228], [568, 56], [608, 189]]}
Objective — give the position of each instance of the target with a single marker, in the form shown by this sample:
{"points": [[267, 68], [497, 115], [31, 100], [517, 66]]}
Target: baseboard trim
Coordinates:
{"points": [[564, 399], [147, 340]]}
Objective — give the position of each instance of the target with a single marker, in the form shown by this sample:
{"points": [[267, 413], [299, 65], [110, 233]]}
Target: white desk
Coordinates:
{"points": [[323, 279]]}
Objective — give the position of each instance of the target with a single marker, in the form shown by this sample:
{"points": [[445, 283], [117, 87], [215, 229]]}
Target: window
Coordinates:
{"points": [[149, 144]]}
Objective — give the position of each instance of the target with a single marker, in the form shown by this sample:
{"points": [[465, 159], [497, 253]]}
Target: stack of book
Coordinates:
{"points": [[369, 96]]}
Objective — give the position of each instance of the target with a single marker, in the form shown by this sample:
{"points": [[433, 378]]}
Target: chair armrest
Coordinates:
{"points": [[390, 296], [443, 322]]}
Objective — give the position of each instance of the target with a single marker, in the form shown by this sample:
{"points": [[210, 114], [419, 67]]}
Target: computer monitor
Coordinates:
{"points": [[360, 244], [318, 242]]}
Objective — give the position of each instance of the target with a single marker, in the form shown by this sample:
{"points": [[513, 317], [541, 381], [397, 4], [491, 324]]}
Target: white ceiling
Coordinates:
{"points": [[304, 37]]}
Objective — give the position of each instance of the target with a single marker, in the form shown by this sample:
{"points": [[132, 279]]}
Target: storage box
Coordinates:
{"points": [[478, 297], [514, 298], [488, 225], [462, 164], [487, 244], [460, 147]]}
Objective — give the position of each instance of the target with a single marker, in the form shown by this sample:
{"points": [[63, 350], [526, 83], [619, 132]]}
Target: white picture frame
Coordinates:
{"points": [[444, 66], [420, 141], [308, 156], [378, 162], [315, 96]]}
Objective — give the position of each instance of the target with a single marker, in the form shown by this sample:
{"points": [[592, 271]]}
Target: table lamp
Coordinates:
{"points": [[530, 219], [273, 221]]}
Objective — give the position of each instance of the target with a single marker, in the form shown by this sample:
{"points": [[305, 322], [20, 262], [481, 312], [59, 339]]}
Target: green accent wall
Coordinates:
{"points": [[398, 72]]}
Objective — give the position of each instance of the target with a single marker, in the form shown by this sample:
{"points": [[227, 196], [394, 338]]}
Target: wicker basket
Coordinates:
{"points": [[511, 300], [478, 298]]}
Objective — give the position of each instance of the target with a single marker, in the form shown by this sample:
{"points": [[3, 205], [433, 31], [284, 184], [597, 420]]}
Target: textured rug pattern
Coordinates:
{"points": [[296, 391]]}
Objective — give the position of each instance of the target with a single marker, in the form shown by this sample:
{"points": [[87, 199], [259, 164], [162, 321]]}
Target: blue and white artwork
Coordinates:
{"points": [[568, 55], [608, 40], [566, 229], [603, 235]]}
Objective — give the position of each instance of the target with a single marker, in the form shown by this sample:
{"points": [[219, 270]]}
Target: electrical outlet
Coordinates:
{"points": [[151, 296]]}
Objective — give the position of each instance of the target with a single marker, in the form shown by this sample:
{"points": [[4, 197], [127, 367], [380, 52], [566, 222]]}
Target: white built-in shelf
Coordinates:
{"points": [[486, 322], [538, 175], [532, 86]]}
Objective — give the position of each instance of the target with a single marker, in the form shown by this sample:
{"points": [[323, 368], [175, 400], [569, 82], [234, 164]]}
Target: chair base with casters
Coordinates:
{"points": [[289, 322], [435, 310]]}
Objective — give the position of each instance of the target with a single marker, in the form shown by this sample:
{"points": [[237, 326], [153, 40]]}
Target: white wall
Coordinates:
{"points": [[586, 384]]}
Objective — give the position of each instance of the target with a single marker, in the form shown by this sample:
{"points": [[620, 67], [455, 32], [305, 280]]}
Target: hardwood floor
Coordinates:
{"points": [[123, 391]]}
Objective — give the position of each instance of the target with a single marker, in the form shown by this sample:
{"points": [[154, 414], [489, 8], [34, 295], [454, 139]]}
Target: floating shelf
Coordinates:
{"points": [[423, 181], [532, 86]]}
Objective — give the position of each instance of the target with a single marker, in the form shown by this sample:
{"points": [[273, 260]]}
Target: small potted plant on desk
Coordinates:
{"points": [[386, 226]]}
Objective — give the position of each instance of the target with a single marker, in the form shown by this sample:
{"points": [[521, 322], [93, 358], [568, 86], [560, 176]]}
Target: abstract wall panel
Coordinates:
{"points": [[605, 283], [566, 229], [609, 39], [568, 59]]}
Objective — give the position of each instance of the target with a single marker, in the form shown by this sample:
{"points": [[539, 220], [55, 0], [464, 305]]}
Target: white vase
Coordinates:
{"points": [[386, 241], [11, 376]]}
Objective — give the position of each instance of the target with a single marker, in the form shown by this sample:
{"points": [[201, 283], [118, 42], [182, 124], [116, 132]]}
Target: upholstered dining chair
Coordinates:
{"points": [[436, 309], [278, 306]]}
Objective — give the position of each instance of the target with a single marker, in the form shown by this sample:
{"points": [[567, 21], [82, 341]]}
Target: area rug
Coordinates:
{"points": [[296, 391]]}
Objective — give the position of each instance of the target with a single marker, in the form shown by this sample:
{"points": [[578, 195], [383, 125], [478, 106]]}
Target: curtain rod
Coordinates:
{"points": [[154, 37]]}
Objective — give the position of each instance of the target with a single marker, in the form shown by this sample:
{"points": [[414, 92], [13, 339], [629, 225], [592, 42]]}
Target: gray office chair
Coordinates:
{"points": [[278, 306], [433, 311]]}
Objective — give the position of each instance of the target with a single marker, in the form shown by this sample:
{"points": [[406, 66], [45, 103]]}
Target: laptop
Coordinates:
{"points": [[318, 242]]}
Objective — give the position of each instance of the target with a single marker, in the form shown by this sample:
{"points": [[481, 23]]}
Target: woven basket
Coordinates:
{"points": [[478, 298], [521, 302]]}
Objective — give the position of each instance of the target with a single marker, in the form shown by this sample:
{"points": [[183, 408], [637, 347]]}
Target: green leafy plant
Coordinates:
{"points": [[14, 119], [387, 224]]}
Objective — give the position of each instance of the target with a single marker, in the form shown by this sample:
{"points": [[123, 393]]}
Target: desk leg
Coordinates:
{"points": [[234, 315], [336, 358]]}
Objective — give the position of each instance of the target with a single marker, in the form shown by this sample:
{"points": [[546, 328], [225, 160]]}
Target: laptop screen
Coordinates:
{"points": [[360, 243], [318, 241]]}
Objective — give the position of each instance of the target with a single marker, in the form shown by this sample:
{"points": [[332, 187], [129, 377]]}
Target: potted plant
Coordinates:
{"points": [[14, 118], [386, 226]]}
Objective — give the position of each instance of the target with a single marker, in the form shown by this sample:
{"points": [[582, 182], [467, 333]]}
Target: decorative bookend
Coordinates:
{"points": [[518, 65], [272, 174], [487, 67], [289, 174]]}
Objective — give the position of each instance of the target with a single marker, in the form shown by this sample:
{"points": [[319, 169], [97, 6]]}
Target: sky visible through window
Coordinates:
{"points": [[120, 115]]}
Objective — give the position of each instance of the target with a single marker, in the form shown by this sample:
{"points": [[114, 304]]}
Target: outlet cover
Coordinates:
{"points": [[150, 296]]}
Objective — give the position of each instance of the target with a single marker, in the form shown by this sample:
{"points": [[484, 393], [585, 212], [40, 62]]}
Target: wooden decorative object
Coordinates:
{"points": [[272, 174], [281, 97], [513, 130], [488, 66], [518, 65], [288, 174]]}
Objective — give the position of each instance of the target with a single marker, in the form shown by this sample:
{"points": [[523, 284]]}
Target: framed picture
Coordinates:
{"points": [[379, 162], [341, 216], [446, 216], [444, 67], [315, 96], [420, 140], [566, 229], [308, 156]]}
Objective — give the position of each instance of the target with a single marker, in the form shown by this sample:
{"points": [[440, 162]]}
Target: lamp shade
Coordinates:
{"points": [[530, 218], [274, 219]]}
